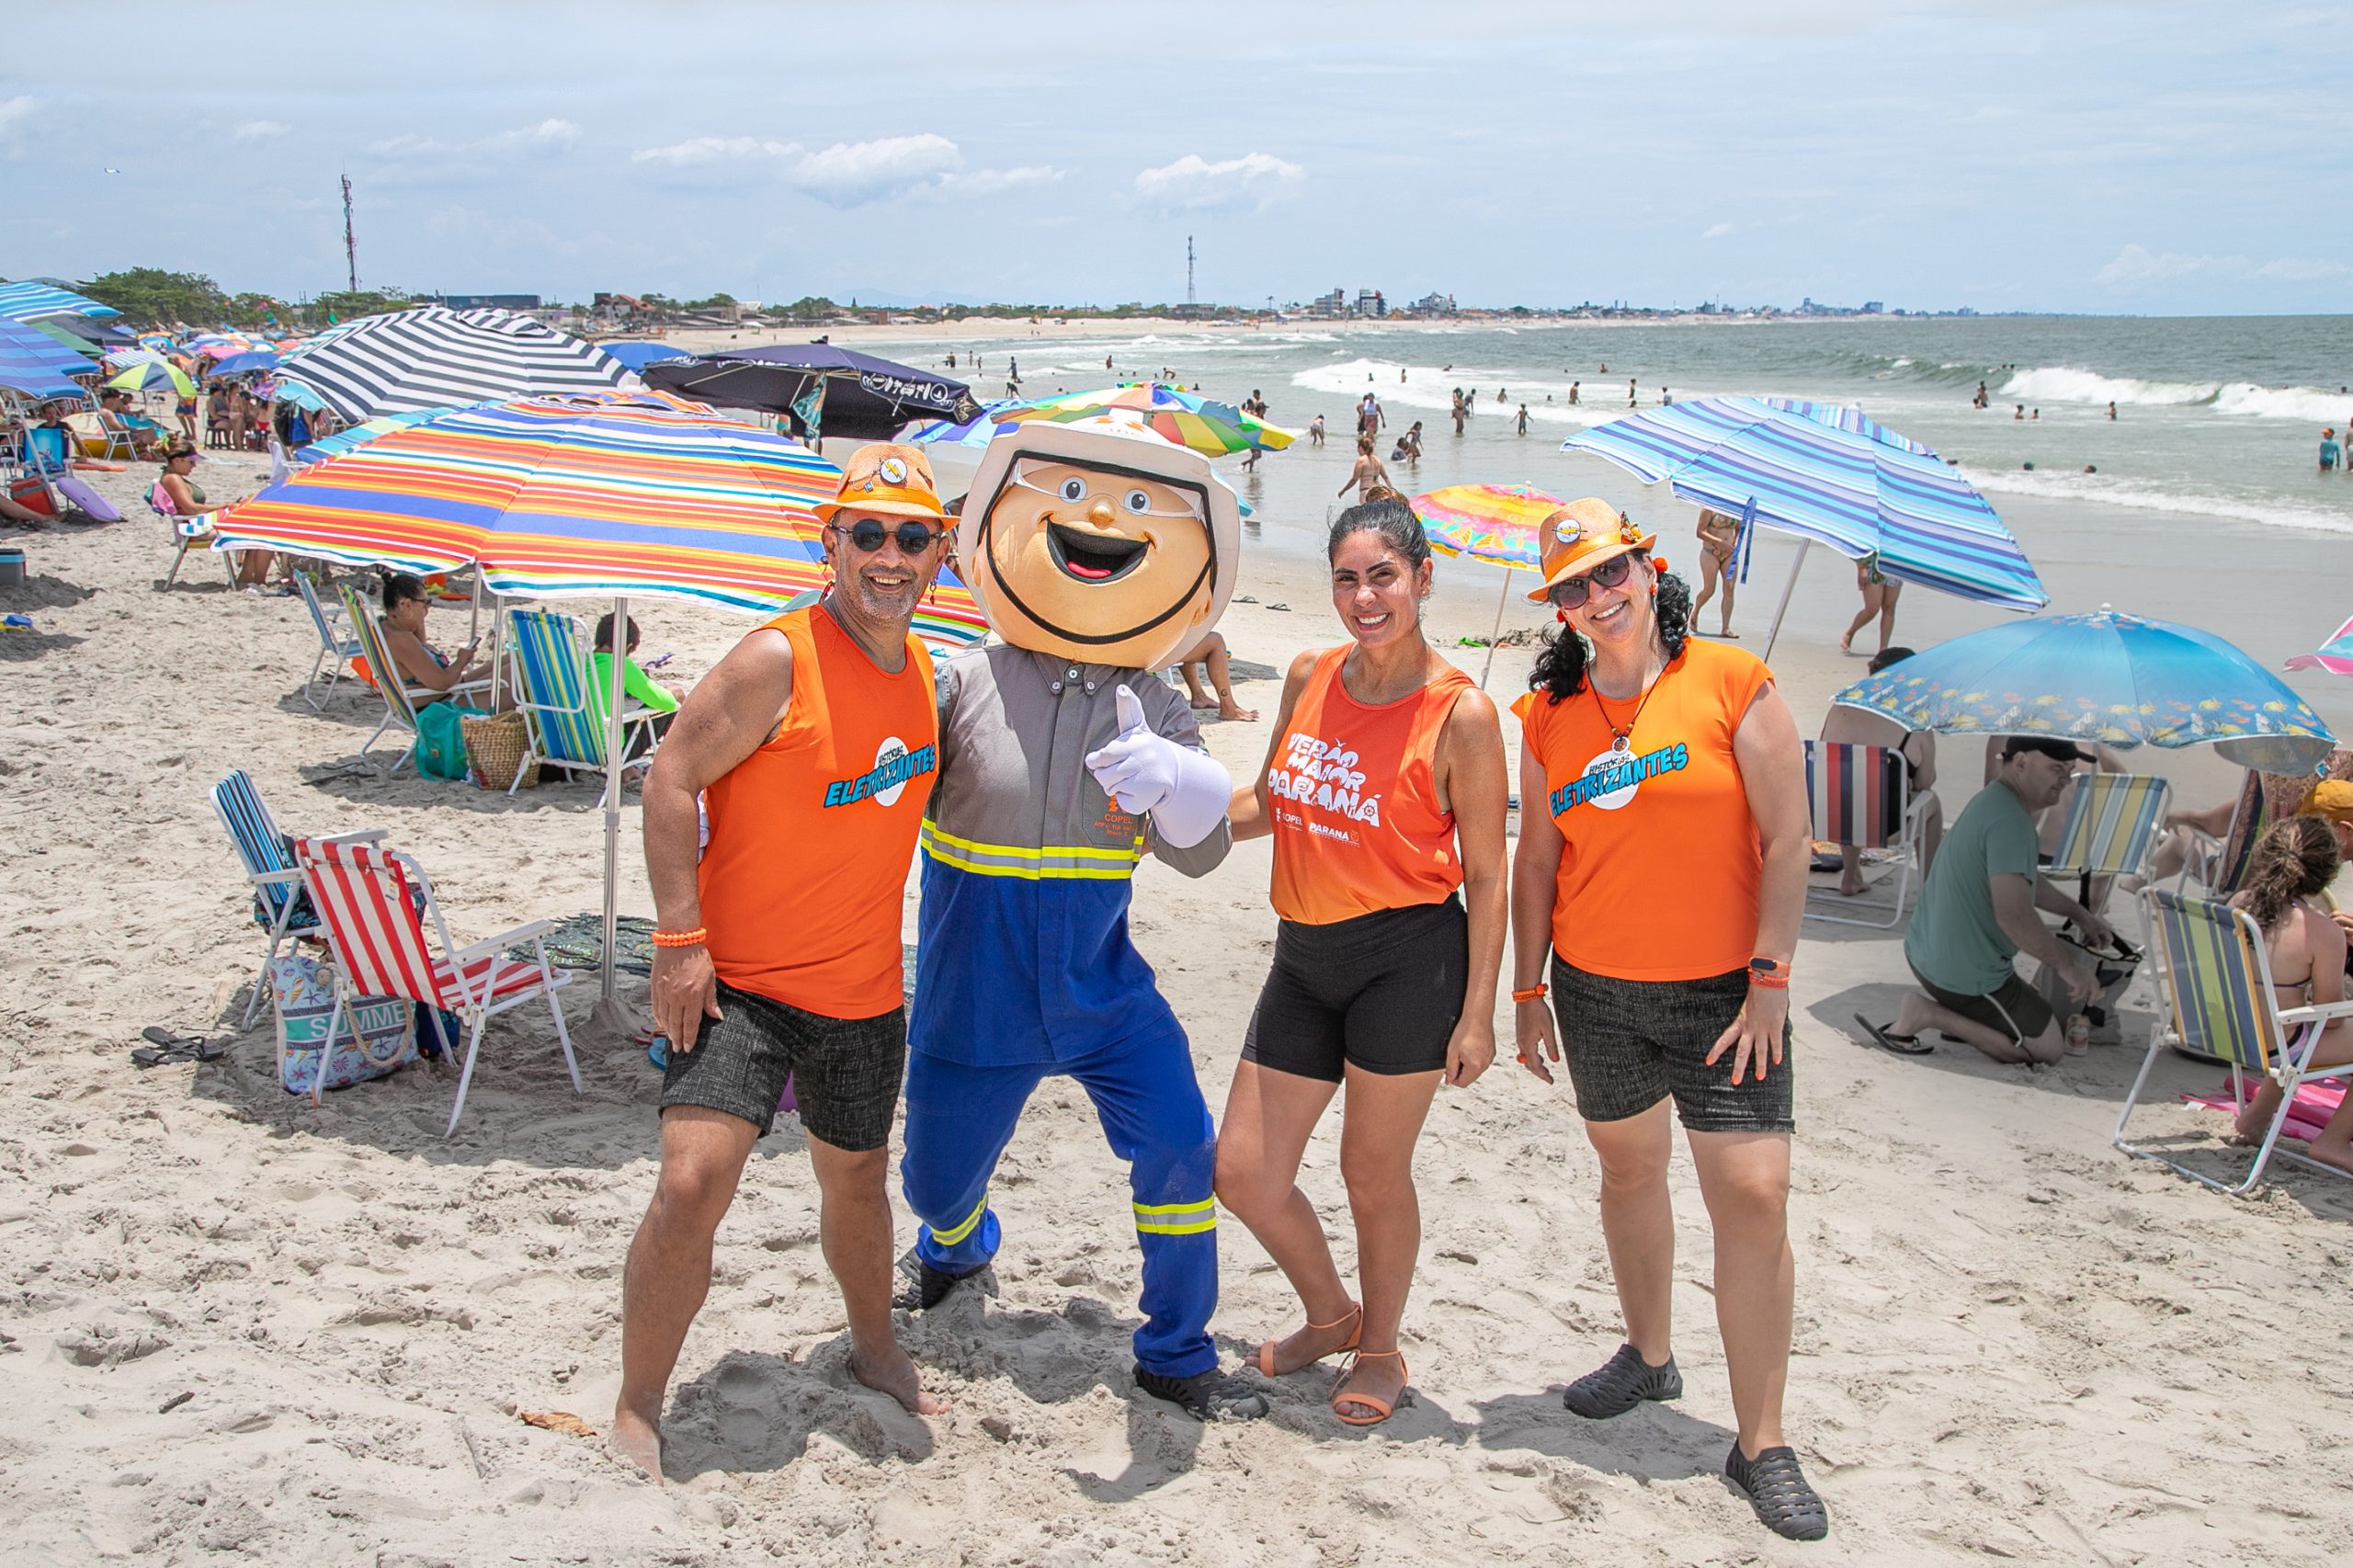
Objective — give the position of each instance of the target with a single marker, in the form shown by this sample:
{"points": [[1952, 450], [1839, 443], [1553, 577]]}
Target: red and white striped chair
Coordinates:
{"points": [[1862, 796], [374, 902]]}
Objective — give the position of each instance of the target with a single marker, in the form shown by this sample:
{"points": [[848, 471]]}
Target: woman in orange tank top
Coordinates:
{"points": [[1385, 792]]}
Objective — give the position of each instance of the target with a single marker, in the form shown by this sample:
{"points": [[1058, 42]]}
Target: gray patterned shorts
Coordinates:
{"points": [[845, 1072], [1631, 1043]]}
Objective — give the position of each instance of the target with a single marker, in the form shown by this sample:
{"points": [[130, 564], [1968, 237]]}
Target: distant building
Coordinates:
{"points": [[1875, 307], [1334, 303], [491, 301], [1370, 303], [1433, 304]]}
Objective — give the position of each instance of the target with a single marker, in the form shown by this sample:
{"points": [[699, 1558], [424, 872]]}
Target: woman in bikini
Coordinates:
{"points": [[1718, 536], [2293, 864], [1385, 792], [422, 664], [1879, 591], [1368, 475]]}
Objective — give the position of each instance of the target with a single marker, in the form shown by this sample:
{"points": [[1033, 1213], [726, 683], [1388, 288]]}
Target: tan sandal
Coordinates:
{"points": [[1264, 1359], [1385, 1407]]}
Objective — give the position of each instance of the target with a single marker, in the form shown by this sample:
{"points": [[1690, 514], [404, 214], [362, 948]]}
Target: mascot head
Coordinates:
{"points": [[1099, 543]]}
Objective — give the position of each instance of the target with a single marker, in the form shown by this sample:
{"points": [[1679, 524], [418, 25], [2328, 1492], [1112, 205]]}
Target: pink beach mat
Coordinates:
{"points": [[2307, 1113]]}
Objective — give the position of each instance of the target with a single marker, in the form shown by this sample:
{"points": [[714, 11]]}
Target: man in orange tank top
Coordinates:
{"points": [[813, 743]]}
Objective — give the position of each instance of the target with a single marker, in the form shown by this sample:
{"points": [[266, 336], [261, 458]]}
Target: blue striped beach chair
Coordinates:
{"points": [[2112, 825], [551, 680], [337, 644], [2217, 984], [281, 906], [1863, 795], [400, 698]]}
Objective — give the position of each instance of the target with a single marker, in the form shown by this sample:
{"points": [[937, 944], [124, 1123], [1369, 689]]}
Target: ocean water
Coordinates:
{"points": [[2215, 417]]}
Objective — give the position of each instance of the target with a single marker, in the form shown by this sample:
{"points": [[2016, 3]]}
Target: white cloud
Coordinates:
{"points": [[1194, 184], [2136, 265], [16, 109], [547, 136], [1717, 231], [852, 174], [258, 130]]}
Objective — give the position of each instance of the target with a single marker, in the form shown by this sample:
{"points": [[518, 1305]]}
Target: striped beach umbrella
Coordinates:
{"points": [[1188, 419], [359, 434], [435, 358], [157, 374], [37, 365], [1861, 494], [597, 496], [39, 302]]}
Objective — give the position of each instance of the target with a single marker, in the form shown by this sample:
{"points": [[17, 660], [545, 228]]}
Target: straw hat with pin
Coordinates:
{"points": [[1581, 536]]}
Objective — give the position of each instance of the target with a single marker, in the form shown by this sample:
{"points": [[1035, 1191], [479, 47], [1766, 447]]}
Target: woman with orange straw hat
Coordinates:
{"points": [[1663, 851]]}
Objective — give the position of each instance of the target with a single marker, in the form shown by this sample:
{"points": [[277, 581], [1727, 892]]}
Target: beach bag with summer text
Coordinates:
{"points": [[375, 1037]]}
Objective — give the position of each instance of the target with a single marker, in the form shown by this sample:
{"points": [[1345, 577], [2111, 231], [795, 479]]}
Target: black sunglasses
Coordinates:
{"points": [[1570, 593], [913, 538]]}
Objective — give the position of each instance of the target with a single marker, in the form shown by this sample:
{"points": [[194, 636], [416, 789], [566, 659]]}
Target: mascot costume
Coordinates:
{"points": [[1099, 553]]}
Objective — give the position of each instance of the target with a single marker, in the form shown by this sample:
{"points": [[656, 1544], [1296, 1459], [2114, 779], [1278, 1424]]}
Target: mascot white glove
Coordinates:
{"points": [[1184, 790]]}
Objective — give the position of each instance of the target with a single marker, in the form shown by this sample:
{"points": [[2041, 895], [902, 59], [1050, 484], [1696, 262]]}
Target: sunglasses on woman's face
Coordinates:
{"points": [[913, 538], [1570, 593]]}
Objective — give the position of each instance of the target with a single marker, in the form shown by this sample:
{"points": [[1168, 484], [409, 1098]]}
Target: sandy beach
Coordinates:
{"points": [[238, 1324]]}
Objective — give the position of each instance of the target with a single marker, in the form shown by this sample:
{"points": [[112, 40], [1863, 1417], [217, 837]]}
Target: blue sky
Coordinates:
{"points": [[2154, 157]]}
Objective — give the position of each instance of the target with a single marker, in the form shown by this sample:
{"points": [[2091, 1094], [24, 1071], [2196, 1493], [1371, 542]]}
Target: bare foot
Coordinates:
{"points": [[1911, 1015], [894, 1374], [2340, 1156], [636, 1441], [1305, 1346], [1381, 1376], [1852, 886], [1236, 711], [1847, 643]]}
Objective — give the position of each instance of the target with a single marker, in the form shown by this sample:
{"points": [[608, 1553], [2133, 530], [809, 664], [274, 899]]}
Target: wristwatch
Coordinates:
{"points": [[1773, 966]]}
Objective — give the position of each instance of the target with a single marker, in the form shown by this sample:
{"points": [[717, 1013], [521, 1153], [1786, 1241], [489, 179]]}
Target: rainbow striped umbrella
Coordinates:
{"points": [[1188, 419], [1494, 523], [2336, 656], [595, 495]]}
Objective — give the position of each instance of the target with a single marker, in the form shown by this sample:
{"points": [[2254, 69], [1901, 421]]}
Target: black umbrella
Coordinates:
{"points": [[825, 390]]}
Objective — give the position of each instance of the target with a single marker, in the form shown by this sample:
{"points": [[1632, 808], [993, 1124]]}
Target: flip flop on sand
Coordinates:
{"points": [[170, 1047], [1902, 1044]]}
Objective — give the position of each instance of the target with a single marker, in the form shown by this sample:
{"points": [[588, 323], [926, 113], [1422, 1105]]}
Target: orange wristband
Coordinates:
{"points": [[680, 939], [1760, 982], [1532, 993]]}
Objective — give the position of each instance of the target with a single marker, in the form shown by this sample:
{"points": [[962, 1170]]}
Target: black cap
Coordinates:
{"points": [[2049, 745]]}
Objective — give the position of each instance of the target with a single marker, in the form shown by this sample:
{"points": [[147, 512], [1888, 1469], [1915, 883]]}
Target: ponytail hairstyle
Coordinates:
{"points": [[399, 587], [2295, 859], [1560, 666]]}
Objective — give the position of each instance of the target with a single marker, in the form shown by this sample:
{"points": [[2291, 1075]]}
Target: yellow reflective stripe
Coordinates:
{"points": [[1177, 1219], [1057, 851], [949, 1238], [1055, 861]]}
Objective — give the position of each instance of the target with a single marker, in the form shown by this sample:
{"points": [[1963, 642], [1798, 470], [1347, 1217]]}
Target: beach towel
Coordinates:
{"points": [[440, 749], [2307, 1113], [375, 1038]]}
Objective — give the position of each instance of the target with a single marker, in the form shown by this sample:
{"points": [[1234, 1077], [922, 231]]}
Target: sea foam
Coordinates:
{"points": [[2060, 384]]}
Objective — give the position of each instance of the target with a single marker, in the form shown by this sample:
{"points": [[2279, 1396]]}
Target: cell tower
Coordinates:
{"points": [[350, 243], [1189, 270]]}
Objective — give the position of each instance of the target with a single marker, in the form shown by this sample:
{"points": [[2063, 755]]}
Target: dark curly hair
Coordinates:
{"points": [[2295, 859], [1560, 666]]}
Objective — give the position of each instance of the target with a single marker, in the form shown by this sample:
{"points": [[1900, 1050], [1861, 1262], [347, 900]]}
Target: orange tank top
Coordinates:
{"points": [[1353, 795], [1660, 866], [811, 835]]}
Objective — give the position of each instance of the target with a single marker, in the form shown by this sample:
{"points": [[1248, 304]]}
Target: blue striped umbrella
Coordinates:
{"points": [[37, 365], [1861, 492], [32, 301]]}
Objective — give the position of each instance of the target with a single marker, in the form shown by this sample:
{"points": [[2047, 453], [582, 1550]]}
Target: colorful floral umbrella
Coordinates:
{"points": [[2336, 656], [1494, 523], [1188, 419], [2107, 678]]}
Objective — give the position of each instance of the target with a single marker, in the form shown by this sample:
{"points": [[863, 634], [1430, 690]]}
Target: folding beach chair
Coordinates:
{"points": [[337, 644], [551, 686], [1863, 795], [2111, 826], [2217, 982], [374, 903], [400, 698], [279, 904], [192, 533]]}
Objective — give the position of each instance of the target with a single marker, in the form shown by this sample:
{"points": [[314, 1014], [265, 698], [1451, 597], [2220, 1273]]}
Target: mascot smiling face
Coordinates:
{"points": [[1099, 543]]}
